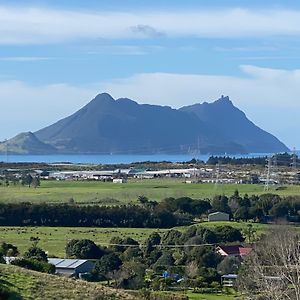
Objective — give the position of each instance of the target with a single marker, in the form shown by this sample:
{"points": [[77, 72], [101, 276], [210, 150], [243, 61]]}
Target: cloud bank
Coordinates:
{"points": [[23, 25]]}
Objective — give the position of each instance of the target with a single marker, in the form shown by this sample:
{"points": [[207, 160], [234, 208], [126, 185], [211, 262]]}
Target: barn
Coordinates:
{"points": [[71, 267], [218, 216]]}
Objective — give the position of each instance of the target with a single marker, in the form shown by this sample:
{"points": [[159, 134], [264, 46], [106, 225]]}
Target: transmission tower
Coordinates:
{"points": [[268, 167], [274, 168], [217, 179], [294, 165]]}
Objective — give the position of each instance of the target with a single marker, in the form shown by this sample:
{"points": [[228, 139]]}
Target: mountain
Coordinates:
{"points": [[123, 126], [25, 143], [233, 125], [113, 126]]}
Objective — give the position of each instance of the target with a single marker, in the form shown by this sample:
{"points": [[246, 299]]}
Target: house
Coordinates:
{"points": [[233, 250], [218, 216], [71, 267]]}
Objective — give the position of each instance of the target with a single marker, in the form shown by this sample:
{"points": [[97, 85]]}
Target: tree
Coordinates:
{"points": [[106, 265], [152, 241], [36, 182], [9, 249], [36, 253], [191, 269], [85, 249], [26, 180], [228, 234], [220, 203], [272, 269], [131, 275], [229, 265]]}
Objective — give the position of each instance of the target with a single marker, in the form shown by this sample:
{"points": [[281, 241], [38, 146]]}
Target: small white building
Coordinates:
{"points": [[218, 216], [119, 180], [71, 267]]}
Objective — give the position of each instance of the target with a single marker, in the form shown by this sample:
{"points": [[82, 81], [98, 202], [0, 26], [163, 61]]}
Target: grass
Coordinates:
{"points": [[54, 239], [29, 285], [197, 296], [94, 192]]}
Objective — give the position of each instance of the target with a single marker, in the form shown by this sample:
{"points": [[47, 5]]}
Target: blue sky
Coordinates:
{"points": [[57, 55]]}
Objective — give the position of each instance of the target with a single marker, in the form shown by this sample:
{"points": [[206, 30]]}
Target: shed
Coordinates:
{"points": [[71, 267], [218, 216], [229, 280]]}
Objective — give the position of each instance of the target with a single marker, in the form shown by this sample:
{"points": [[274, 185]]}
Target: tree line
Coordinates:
{"points": [[282, 159], [27, 214], [170, 212]]}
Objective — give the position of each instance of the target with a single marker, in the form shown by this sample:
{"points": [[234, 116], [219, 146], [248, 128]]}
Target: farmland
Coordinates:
{"points": [[54, 239], [108, 193]]}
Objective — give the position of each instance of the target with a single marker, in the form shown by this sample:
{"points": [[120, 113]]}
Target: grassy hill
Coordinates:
{"points": [[26, 284]]}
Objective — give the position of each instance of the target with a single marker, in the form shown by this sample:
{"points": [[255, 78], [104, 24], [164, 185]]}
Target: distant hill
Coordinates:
{"points": [[233, 125], [25, 143], [122, 126]]}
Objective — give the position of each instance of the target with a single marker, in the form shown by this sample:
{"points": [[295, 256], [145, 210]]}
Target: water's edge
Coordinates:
{"points": [[111, 159]]}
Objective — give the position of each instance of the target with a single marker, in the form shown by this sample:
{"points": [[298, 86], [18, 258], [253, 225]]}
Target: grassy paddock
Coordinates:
{"points": [[197, 296], [103, 192], [54, 239]]}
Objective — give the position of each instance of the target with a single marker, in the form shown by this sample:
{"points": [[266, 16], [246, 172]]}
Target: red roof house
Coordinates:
{"points": [[234, 250]]}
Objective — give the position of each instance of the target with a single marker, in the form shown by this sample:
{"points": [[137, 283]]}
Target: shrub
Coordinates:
{"points": [[34, 264]]}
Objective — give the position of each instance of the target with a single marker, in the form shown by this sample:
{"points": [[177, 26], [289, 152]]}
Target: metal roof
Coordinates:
{"points": [[66, 263]]}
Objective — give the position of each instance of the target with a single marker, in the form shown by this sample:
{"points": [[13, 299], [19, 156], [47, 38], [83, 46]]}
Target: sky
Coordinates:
{"points": [[55, 56]]}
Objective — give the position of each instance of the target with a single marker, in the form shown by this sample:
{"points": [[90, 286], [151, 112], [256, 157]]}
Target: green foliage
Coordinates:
{"points": [[8, 249], [220, 203], [36, 254], [228, 234], [229, 265], [34, 264], [84, 249], [105, 265]]}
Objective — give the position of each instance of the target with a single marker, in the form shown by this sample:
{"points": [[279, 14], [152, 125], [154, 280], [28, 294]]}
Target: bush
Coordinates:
{"points": [[34, 264], [36, 254], [84, 249]]}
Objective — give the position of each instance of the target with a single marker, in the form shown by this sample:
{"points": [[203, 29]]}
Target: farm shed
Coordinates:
{"points": [[71, 267], [218, 216]]}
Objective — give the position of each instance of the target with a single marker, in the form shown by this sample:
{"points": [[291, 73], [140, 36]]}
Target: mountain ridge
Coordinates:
{"points": [[123, 126]]}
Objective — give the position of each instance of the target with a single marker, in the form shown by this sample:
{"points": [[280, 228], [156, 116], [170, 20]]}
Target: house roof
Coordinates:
{"points": [[66, 263], [218, 213], [234, 250]]}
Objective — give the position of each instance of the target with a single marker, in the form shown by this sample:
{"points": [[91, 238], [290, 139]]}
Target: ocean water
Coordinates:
{"points": [[110, 159]]}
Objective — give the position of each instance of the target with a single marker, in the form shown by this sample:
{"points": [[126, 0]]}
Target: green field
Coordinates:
{"points": [[196, 296], [54, 239], [111, 193]]}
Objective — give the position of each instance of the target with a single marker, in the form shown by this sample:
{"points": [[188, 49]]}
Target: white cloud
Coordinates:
{"points": [[268, 96], [21, 25], [29, 108]]}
